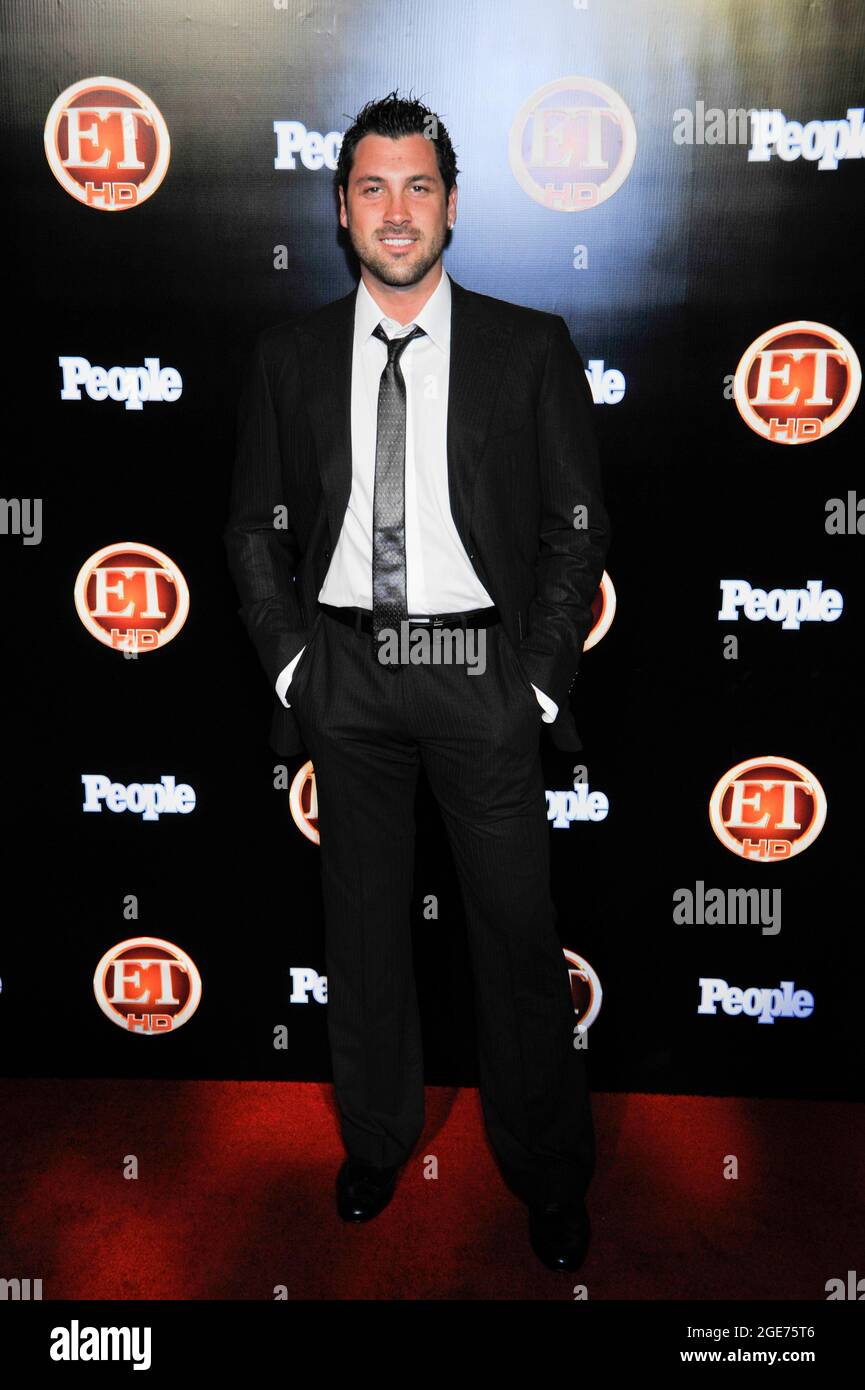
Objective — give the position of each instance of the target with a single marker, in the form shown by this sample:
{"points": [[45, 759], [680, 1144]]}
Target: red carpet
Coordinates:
{"points": [[235, 1196]]}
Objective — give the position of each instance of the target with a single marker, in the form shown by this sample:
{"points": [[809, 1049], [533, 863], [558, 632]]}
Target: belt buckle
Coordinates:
{"points": [[439, 620]]}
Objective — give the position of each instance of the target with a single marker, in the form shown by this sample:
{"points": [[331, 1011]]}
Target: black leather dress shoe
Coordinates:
{"points": [[362, 1191], [560, 1234]]}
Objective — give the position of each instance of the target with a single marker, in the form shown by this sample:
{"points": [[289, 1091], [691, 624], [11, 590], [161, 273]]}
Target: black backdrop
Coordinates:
{"points": [[698, 253]]}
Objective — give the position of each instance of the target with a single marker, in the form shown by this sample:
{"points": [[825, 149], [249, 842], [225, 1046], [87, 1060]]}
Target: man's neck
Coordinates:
{"points": [[402, 303]]}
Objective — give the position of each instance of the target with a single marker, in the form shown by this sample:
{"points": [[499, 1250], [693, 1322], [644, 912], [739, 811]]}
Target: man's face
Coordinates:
{"points": [[396, 214]]}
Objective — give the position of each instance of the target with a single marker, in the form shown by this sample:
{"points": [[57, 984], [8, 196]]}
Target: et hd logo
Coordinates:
{"points": [[303, 803], [797, 382], [148, 986], [767, 809], [572, 144], [603, 612], [131, 597], [107, 144], [586, 992]]}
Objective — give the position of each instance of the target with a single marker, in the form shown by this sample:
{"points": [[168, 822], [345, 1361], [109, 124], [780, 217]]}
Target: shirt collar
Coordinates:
{"points": [[434, 318]]}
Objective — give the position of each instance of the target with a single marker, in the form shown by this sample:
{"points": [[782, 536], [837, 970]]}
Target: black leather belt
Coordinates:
{"points": [[361, 618]]}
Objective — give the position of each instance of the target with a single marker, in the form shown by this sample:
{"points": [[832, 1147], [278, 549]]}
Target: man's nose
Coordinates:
{"points": [[396, 215]]}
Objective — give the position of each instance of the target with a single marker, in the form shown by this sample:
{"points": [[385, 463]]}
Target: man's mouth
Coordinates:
{"points": [[399, 240]]}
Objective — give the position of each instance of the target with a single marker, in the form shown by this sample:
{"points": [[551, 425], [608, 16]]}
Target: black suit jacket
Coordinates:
{"points": [[521, 456]]}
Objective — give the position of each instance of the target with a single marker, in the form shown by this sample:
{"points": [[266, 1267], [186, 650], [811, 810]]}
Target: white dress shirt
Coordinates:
{"points": [[439, 575]]}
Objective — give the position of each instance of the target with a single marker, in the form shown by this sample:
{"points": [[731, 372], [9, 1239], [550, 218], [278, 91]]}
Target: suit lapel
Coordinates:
{"points": [[479, 342], [327, 342]]}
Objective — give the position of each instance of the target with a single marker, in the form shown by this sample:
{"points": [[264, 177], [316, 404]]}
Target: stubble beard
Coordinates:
{"points": [[400, 272]]}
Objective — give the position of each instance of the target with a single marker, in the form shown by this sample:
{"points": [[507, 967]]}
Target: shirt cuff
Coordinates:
{"points": [[549, 706], [283, 680]]}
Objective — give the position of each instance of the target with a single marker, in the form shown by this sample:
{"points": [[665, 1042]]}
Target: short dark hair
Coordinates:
{"points": [[394, 116]]}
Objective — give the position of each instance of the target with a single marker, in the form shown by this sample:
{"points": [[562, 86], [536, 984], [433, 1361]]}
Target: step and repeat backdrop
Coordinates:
{"points": [[681, 180]]}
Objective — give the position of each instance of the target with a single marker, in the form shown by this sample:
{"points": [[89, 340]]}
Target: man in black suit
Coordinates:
{"points": [[416, 457]]}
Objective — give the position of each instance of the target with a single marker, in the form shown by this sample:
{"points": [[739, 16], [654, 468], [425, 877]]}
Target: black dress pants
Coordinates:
{"points": [[367, 728]]}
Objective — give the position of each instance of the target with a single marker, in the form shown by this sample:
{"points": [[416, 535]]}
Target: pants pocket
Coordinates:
{"points": [[518, 667], [302, 665]]}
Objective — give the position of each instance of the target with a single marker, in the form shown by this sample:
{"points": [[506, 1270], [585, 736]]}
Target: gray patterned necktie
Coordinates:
{"points": [[388, 523]]}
